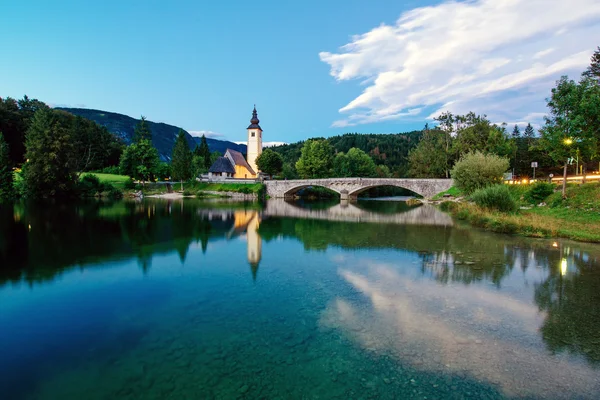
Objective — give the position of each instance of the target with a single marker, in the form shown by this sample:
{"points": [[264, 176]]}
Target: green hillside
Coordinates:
{"points": [[163, 135], [390, 150]]}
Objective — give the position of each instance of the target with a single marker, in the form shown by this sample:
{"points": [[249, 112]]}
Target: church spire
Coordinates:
{"points": [[254, 121]]}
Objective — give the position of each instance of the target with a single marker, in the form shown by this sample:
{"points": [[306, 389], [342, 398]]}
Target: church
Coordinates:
{"points": [[233, 164]]}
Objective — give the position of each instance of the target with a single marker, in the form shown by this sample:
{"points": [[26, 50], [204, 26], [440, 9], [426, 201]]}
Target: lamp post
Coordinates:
{"points": [[568, 142]]}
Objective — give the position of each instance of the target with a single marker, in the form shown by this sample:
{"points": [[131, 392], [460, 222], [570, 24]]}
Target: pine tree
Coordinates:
{"points": [[205, 152], [529, 132], [142, 131], [6, 173], [181, 159], [593, 71], [516, 132], [50, 169]]}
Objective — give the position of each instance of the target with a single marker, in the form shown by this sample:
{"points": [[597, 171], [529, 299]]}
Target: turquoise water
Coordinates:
{"points": [[197, 300]]}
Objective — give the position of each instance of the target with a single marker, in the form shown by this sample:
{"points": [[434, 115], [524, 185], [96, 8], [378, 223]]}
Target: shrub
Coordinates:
{"points": [[187, 192], [114, 169], [130, 184], [477, 170], [495, 197], [539, 192], [89, 185]]}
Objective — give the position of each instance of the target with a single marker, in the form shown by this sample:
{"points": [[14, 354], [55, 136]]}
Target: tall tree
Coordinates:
{"points": [[6, 172], [429, 159], [316, 159], [49, 170], [593, 71], [181, 159], [142, 131], [140, 161], [564, 134], [270, 162], [204, 152]]}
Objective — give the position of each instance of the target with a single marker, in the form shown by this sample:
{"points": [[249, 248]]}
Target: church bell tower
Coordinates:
{"points": [[254, 141]]}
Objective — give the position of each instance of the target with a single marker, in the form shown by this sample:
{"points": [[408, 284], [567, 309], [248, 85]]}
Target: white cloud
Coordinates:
{"points": [[499, 58], [543, 53], [208, 134]]}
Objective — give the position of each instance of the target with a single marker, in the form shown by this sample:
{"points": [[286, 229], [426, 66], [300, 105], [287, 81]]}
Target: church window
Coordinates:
{"points": [[252, 134]]}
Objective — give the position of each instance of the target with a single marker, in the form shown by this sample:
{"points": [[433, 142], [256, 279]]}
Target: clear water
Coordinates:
{"points": [[196, 300]]}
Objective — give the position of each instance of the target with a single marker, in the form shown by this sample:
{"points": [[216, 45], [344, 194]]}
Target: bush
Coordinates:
{"points": [[114, 169], [89, 185], [477, 170], [187, 192], [495, 197], [539, 192], [129, 184]]}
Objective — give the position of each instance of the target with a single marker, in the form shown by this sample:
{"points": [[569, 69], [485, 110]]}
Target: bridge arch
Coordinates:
{"points": [[295, 189], [358, 191]]}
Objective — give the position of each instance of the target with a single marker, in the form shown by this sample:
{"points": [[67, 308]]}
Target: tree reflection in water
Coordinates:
{"points": [[39, 242]]}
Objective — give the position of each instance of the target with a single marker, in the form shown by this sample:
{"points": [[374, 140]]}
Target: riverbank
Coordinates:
{"points": [[577, 217]]}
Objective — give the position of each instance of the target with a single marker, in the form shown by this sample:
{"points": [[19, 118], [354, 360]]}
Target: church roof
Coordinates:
{"points": [[254, 121], [238, 159], [222, 164]]}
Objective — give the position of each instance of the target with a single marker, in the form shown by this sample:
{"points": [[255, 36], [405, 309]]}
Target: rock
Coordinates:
{"points": [[387, 381], [243, 389]]}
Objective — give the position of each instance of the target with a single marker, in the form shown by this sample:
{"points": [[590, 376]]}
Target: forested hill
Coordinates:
{"points": [[390, 150], [163, 135]]}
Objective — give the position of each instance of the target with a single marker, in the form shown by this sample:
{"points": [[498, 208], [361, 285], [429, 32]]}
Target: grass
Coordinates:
{"points": [[117, 181], [577, 217], [253, 188], [453, 191]]}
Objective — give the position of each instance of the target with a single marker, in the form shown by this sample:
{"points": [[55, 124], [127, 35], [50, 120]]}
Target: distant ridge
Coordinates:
{"points": [[163, 135]]}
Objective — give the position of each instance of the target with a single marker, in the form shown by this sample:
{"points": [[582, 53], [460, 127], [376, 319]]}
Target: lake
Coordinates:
{"points": [[195, 299]]}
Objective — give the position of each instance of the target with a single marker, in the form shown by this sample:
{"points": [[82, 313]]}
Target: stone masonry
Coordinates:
{"points": [[351, 187]]}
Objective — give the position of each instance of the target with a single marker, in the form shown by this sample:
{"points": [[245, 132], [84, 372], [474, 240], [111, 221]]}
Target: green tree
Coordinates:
{"points": [[6, 173], [270, 162], [204, 152], [565, 133], [142, 131], [355, 163], [213, 157], [478, 170], [316, 160], [181, 159], [429, 159], [140, 161], [593, 71], [49, 170]]}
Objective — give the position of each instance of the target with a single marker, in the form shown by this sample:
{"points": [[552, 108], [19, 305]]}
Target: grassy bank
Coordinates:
{"points": [[577, 217]]}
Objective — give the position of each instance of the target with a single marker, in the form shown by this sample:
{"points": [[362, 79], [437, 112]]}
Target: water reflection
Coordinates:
{"points": [[520, 314]]}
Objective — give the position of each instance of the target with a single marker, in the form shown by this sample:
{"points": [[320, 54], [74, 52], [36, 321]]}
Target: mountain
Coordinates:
{"points": [[163, 135]]}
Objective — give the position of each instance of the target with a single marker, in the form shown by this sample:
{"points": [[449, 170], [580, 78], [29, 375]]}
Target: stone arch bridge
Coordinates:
{"points": [[350, 188]]}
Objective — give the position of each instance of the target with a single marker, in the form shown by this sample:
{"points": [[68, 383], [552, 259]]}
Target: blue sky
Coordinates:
{"points": [[313, 68]]}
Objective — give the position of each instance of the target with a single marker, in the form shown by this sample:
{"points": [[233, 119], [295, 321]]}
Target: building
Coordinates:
{"points": [[233, 164]]}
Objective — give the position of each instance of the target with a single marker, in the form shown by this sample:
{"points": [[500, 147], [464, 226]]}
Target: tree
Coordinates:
{"points": [[49, 170], [270, 162], [570, 130], [355, 163], [140, 160], [204, 152], [181, 159], [316, 159], [593, 71], [478, 170], [6, 172], [142, 131], [429, 159]]}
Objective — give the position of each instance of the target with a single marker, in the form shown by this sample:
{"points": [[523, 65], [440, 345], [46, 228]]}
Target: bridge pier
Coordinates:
{"points": [[344, 195]]}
